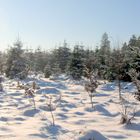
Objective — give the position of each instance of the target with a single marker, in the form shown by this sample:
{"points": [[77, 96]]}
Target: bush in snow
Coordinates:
{"points": [[127, 109], [91, 84], [134, 76]]}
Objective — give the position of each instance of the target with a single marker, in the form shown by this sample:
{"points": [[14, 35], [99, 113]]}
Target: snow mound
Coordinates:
{"points": [[109, 86], [128, 87], [91, 135], [48, 91], [61, 77]]}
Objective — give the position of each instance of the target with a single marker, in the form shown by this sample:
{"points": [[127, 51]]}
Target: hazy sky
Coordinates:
{"points": [[49, 22]]}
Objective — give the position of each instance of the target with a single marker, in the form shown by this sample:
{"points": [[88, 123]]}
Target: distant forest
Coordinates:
{"points": [[110, 63]]}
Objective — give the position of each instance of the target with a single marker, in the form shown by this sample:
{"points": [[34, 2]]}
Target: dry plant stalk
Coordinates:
{"points": [[51, 110], [34, 85], [52, 105], [20, 86], [30, 94]]}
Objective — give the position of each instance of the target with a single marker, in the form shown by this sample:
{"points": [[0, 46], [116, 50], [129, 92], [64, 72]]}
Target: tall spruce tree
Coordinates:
{"points": [[104, 55]]}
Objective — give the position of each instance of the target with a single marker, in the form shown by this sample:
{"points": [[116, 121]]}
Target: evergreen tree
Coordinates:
{"points": [[56, 69], [61, 56], [2, 62], [77, 62], [90, 61], [134, 55], [40, 60], [127, 61], [16, 65], [47, 71], [30, 58], [104, 55], [115, 69]]}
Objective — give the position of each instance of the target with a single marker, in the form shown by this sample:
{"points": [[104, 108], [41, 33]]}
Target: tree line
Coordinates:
{"points": [[110, 63]]}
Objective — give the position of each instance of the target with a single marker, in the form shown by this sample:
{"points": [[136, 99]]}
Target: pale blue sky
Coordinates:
{"points": [[49, 22]]}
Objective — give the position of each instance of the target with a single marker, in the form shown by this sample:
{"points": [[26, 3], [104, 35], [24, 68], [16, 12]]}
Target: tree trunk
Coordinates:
{"points": [[119, 87]]}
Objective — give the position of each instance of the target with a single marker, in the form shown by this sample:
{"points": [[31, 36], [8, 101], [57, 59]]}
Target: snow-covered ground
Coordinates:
{"points": [[74, 118]]}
